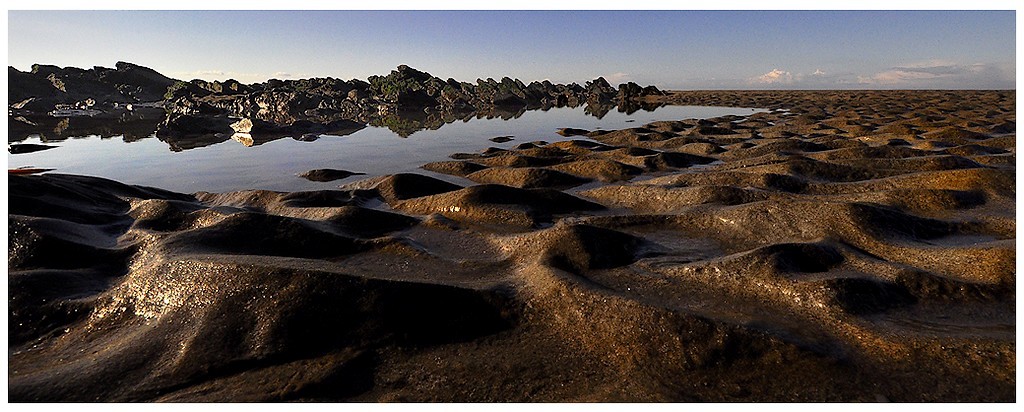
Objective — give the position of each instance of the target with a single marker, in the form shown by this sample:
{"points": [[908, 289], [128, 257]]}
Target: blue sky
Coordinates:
{"points": [[670, 49]]}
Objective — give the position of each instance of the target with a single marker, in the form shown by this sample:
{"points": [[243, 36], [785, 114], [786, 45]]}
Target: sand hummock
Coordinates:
{"points": [[845, 246]]}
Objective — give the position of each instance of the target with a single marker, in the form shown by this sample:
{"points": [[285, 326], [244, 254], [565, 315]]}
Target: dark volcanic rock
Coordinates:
{"points": [[652, 91], [28, 148], [185, 90], [27, 91], [327, 175], [406, 87], [501, 139], [629, 90], [139, 83], [569, 131], [405, 93], [227, 87], [100, 86], [598, 90]]}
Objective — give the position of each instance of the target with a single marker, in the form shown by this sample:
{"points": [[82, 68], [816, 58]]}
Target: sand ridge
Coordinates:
{"points": [[845, 246]]}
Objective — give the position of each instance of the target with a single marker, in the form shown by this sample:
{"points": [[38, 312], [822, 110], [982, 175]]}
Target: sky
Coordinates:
{"points": [[669, 49]]}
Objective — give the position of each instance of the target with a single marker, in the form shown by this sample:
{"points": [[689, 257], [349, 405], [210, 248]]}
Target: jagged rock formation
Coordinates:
{"points": [[201, 107], [47, 88]]}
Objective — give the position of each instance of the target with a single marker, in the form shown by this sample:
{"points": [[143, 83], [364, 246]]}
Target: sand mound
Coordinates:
{"points": [[498, 204], [599, 169], [582, 248], [457, 168], [526, 177], [393, 188]]}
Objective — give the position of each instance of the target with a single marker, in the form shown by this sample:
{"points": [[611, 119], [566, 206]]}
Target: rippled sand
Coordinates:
{"points": [[847, 246]]}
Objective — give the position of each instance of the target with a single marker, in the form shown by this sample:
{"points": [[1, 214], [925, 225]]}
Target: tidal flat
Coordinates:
{"points": [[836, 246]]}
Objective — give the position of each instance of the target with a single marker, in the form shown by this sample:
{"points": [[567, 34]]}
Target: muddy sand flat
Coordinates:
{"points": [[846, 246]]}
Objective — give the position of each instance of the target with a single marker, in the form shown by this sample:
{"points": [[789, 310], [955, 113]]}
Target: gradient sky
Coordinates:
{"points": [[670, 49]]}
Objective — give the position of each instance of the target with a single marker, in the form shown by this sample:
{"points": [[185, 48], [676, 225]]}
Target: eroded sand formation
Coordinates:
{"points": [[857, 247]]}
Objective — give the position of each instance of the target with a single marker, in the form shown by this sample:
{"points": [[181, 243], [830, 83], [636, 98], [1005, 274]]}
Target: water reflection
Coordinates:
{"points": [[130, 126], [220, 163], [180, 143], [405, 124], [136, 125]]}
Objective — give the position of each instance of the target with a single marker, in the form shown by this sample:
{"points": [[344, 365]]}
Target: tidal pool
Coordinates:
{"points": [[224, 164]]}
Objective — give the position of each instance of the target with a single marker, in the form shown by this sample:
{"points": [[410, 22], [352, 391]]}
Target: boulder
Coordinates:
{"points": [[569, 131], [629, 91], [327, 175]]}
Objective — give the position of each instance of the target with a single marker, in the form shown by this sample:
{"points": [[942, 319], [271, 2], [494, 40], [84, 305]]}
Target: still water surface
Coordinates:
{"points": [[230, 165]]}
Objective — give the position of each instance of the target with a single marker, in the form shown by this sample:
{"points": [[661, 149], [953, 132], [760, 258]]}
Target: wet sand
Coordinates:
{"points": [[846, 246]]}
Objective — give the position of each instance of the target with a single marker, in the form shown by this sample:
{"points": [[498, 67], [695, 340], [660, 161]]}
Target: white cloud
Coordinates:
{"points": [[776, 76], [207, 73], [928, 74], [924, 64], [617, 78], [282, 74], [941, 73], [220, 75], [896, 76]]}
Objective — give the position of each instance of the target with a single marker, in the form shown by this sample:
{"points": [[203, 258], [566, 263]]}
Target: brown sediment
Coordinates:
{"points": [[845, 246]]}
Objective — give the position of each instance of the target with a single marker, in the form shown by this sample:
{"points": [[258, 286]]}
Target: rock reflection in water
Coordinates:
{"points": [[180, 143], [130, 126], [405, 124], [137, 125]]}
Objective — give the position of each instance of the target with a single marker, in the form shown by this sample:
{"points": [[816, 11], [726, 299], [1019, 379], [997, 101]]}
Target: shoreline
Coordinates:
{"points": [[814, 255]]}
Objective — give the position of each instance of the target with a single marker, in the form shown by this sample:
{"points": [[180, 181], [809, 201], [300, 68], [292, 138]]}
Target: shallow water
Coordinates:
{"points": [[230, 165]]}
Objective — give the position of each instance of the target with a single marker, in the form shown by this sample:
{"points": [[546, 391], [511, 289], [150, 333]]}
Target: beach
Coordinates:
{"points": [[837, 246]]}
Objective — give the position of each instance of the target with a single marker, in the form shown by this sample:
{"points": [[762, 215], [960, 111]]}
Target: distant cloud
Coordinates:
{"points": [[282, 74], [617, 78], [940, 73], [210, 73], [892, 77], [776, 76], [927, 74], [220, 75]]}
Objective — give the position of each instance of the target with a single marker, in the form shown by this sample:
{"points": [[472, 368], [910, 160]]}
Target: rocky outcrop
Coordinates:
{"points": [[141, 84], [47, 88], [405, 92], [307, 104], [227, 87], [599, 91]]}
